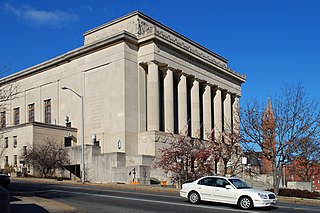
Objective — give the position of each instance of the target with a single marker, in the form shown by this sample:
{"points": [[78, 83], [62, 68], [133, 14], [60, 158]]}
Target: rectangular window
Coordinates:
{"points": [[67, 141], [15, 160], [31, 112], [47, 111], [16, 116], [6, 142], [7, 160], [3, 119], [15, 141]]}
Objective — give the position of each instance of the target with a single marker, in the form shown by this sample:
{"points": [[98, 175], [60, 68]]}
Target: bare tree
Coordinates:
{"points": [[306, 163], [47, 156], [186, 158], [228, 150], [8, 92], [295, 118]]}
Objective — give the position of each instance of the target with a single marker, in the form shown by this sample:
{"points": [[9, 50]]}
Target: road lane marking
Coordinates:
{"points": [[152, 201], [124, 192]]}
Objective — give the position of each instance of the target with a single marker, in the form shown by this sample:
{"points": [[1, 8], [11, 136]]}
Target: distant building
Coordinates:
{"points": [[141, 82], [296, 171]]}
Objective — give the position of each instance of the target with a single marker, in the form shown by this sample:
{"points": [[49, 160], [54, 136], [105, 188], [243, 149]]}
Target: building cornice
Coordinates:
{"points": [[144, 28], [39, 124], [135, 28]]}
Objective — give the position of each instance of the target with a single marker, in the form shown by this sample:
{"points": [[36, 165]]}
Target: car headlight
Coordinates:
{"points": [[263, 196]]}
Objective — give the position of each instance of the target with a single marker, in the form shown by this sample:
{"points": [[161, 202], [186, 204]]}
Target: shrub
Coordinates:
{"points": [[297, 193]]}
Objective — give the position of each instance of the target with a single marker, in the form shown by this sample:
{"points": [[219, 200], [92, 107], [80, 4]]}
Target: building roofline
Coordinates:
{"points": [[40, 124], [158, 24], [123, 35], [67, 57]]}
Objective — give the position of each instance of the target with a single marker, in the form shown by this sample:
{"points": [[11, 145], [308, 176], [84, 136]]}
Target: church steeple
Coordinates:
{"points": [[269, 145]]}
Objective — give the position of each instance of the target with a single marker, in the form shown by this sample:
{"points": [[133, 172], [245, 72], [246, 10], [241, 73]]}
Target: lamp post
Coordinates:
{"points": [[178, 159], [244, 163], [82, 123]]}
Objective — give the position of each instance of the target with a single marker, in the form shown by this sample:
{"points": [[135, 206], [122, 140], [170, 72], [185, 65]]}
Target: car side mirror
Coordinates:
{"points": [[228, 186]]}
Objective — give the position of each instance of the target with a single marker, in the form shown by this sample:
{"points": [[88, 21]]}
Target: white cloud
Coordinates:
{"points": [[41, 17]]}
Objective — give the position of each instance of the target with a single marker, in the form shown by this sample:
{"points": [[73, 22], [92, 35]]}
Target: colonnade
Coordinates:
{"points": [[186, 104]]}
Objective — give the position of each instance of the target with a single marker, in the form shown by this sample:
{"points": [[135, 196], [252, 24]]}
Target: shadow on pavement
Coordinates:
{"points": [[22, 208]]}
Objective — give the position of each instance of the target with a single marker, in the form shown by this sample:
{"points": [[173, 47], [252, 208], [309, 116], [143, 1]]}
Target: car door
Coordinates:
{"points": [[223, 194], [205, 188]]}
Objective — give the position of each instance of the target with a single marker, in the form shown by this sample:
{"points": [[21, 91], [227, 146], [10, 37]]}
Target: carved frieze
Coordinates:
{"points": [[142, 27], [190, 48], [138, 27], [160, 137]]}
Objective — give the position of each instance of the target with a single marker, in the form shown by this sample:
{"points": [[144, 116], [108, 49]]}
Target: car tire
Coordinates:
{"points": [[245, 202], [194, 197]]}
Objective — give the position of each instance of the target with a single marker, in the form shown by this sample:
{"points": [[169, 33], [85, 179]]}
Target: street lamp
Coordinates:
{"points": [[82, 144]]}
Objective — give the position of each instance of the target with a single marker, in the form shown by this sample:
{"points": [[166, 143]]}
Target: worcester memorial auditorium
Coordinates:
{"points": [[139, 81]]}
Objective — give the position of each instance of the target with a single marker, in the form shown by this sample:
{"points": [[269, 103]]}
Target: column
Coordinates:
{"points": [[195, 110], [227, 112], [236, 115], [153, 97], [142, 98], [168, 101], [182, 104], [207, 112], [217, 101]]}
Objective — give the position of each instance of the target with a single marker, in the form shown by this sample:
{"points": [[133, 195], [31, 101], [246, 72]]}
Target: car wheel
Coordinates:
{"points": [[194, 197], [245, 202]]}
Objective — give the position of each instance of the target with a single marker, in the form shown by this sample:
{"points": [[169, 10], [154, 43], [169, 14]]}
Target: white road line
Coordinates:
{"points": [[126, 192], [152, 201]]}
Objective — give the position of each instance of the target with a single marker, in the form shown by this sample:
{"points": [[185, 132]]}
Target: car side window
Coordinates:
{"points": [[207, 181], [221, 183]]}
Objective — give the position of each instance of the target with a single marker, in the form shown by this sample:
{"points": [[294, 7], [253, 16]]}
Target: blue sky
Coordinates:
{"points": [[270, 41]]}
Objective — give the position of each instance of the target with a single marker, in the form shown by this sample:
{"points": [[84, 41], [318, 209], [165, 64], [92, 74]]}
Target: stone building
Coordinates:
{"points": [[140, 81]]}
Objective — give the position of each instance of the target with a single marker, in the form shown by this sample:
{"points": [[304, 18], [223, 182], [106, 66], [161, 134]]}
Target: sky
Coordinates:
{"points": [[272, 42]]}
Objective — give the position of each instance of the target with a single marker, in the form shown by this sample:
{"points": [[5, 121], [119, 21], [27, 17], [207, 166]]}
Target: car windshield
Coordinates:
{"points": [[239, 184]]}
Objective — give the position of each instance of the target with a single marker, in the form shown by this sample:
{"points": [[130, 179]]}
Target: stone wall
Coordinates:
{"points": [[299, 185], [112, 167]]}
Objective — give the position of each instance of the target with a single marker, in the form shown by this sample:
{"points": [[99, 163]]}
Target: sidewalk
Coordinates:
{"points": [[39, 205]]}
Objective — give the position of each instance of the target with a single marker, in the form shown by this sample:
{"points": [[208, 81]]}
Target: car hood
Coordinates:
{"points": [[256, 191]]}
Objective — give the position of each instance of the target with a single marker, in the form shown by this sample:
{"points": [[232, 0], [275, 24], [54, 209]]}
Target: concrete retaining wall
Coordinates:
{"points": [[299, 185], [4, 201]]}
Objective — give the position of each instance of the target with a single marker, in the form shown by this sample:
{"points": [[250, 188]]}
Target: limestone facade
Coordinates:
{"points": [[140, 81]]}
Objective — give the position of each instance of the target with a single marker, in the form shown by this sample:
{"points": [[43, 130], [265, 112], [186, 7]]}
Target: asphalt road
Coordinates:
{"points": [[89, 198]]}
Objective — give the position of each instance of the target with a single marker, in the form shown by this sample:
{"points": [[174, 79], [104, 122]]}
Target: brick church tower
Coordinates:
{"points": [[269, 145]]}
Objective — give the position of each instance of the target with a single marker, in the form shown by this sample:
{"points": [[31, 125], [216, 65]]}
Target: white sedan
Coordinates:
{"points": [[227, 190]]}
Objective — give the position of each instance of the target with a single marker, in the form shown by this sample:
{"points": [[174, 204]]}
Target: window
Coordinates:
{"points": [[221, 183], [15, 141], [3, 119], [15, 160], [31, 112], [6, 142], [16, 116], [67, 141], [207, 181], [47, 111], [7, 160]]}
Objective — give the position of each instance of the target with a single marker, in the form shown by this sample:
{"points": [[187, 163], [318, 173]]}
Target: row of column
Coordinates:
{"points": [[224, 105]]}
